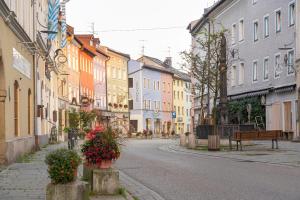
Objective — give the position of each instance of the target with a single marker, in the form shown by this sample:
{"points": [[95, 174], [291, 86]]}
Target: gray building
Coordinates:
{"points": [[261, 49]]}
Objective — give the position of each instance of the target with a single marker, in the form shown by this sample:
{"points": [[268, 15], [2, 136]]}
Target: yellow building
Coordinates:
{"points": [[117, 88], [182, 102], [179, 104]]}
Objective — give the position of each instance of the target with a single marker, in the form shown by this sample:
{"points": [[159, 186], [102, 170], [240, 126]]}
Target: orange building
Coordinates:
{"points": [[86, 70]]}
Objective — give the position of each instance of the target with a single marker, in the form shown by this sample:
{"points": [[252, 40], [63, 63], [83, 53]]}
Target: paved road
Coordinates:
{"points": [[186, 176]]}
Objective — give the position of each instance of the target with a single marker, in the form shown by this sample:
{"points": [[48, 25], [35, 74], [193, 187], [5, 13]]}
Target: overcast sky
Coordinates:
{"points": [[138, 14]]}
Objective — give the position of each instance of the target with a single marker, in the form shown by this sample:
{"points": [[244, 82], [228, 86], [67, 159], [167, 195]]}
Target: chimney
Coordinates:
{"points": [[168, 61]]}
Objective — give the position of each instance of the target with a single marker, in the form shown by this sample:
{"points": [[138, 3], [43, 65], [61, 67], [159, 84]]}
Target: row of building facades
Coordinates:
{"points": [[46, 70], [263, 55]]}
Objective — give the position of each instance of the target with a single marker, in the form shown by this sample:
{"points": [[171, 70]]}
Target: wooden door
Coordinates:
{"points": [[288, 126]]}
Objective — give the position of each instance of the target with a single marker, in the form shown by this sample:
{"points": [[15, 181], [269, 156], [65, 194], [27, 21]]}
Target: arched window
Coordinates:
{"points": [[16, 108], [29, 111]]}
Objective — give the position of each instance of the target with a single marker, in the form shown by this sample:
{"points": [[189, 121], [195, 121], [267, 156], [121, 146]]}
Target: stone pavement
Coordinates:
{"points": [[28, 180], [288, 153]]}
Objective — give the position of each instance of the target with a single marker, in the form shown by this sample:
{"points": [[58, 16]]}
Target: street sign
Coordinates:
{"points": [[173, 115]]}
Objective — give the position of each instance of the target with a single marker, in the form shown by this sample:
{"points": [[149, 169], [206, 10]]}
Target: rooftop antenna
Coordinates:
{"points": [[143, 47], [169, 51], [93, 28]]}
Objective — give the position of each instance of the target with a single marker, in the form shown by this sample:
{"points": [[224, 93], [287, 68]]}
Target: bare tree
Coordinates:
{"points": [[203, 61]]}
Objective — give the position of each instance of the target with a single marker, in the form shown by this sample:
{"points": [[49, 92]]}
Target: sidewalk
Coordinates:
{"points": [[28, 180], [288, 153]]}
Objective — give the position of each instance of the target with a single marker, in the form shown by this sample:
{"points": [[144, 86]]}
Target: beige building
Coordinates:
{"points": [[16, 79], [117, 88]]}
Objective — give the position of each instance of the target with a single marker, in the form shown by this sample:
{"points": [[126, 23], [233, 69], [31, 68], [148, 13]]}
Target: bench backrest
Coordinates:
{"points": [[257, 135]]}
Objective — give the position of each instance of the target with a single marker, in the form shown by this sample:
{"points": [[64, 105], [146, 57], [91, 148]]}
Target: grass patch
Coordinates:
{"points": [[26, 158], [135, 198], [122, 192]]}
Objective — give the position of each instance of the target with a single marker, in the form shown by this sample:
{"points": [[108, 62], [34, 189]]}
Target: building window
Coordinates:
{"points": [[292, 14], [242, 74], [174, 95], [154, 85], [181, 95], [233, 76], [266, 26], [149, 84], [145, 104], [241, 30], [266, 68], [29, 111], [177, 94], [277, 66], [233, 32], [291, 62], [255, 31], [254, 71], [254, 1], [145, 82], [16, 108], [178, 110], [130, 82], [130, 102], [183, 111], [157, 85], [174, 108], [278, 21]]}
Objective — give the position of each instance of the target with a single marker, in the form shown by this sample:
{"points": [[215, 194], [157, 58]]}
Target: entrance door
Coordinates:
{"points": [[288, 126], [134, 125], [157, 127], [276, 123]]}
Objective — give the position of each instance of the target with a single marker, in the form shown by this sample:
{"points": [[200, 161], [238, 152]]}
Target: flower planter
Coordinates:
{"points": [[105, 164]]}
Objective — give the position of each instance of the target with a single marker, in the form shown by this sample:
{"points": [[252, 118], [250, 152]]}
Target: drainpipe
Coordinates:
{"points": [[35, 66]]}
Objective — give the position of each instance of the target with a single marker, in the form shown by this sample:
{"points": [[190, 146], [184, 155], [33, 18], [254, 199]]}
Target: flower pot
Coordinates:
{"points": [[75, 173], [105, 164]]}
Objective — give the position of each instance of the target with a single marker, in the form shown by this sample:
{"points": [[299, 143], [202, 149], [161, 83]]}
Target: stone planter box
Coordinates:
{"points": [[105, 181], [77, 190], [102, 181]]}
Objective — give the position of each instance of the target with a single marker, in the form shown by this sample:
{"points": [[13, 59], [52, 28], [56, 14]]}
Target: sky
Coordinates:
{"points": [[129, 15]]}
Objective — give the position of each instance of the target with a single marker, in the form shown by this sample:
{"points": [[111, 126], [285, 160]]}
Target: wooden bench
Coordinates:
{"points": [[240, 136]]}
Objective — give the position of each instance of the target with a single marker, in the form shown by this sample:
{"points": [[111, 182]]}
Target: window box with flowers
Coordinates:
{"points": [[110, 104], [115, 105], [125, 106]]}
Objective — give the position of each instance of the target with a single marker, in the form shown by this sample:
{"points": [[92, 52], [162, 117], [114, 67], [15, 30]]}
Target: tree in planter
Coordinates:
{"points": [[207, 64]]}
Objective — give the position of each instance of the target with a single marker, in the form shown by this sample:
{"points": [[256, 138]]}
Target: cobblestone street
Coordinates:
{"points": [[26, 180]]}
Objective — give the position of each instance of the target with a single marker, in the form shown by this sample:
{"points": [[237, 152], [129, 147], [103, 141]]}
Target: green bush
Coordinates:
{"points": [[62, 165]]}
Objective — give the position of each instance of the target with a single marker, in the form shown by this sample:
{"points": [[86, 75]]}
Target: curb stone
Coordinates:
{"points": [[137, 189]]}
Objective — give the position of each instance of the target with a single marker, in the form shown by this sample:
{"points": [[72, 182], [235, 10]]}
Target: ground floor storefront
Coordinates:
{"points": [[16, 94], [270, 109]]}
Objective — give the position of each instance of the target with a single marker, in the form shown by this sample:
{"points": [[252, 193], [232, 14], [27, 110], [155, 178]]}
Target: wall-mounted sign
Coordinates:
{"points": [[21, 64], [85, 101], [173, 115]]}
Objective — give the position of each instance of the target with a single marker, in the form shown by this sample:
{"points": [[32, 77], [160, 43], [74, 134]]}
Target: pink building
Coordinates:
{"points": [[167, 101]]}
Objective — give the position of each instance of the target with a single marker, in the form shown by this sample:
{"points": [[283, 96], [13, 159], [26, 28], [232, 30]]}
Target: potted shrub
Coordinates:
{"points": [[110, 104], [62, 166], [101, 148]]}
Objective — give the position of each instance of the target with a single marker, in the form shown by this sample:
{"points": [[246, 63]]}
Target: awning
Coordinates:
{"points": [[289, 88], [249, 94]]}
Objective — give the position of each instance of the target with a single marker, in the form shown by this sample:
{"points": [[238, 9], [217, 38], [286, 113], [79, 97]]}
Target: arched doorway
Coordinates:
{"points": [[2, 109]]}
